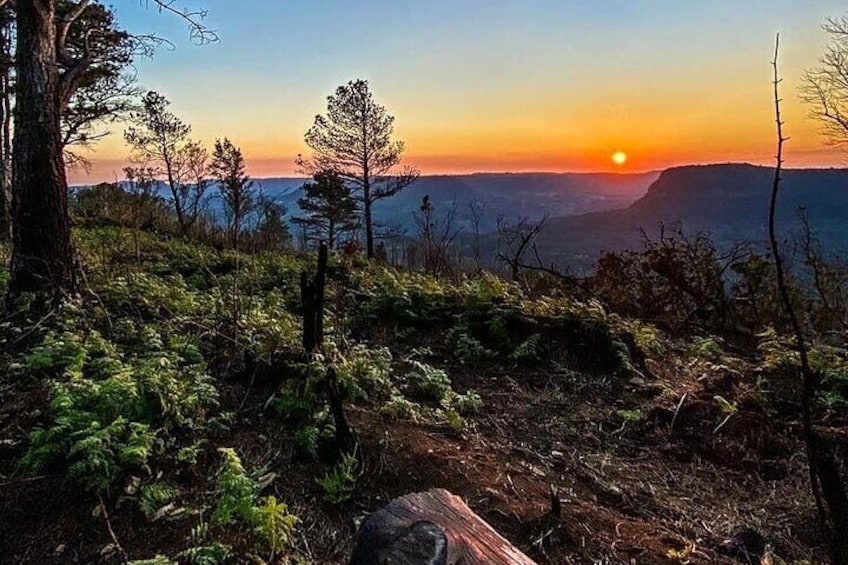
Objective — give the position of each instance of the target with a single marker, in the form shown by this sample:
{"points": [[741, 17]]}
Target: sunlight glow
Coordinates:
{"points": [[619, 157]]}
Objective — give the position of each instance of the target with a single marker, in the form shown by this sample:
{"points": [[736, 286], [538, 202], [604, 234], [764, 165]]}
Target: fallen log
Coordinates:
{"points": [[431, 528]]}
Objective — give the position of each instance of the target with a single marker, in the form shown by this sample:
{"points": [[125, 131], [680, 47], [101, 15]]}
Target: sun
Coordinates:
{"points": [[619, 157]]}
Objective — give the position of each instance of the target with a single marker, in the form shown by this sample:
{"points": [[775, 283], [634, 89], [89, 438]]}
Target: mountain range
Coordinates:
{"points": [[591, 212], [526, 195], [730, 201]]}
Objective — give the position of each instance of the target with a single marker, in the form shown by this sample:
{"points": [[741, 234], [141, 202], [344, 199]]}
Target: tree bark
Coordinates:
{"points": [[312, 297], [432, 527], [42, 253], [5, 125], [369, 222]]}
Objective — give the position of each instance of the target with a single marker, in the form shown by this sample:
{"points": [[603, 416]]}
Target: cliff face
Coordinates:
{"points": [[730, 201]]}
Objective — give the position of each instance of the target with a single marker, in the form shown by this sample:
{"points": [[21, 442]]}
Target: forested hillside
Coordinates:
{"points": [[169, 411], [725, 201], [372, 366]]}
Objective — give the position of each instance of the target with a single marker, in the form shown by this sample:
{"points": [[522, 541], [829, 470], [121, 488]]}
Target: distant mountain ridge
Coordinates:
{"points": [[728, 200], [513, 195]]}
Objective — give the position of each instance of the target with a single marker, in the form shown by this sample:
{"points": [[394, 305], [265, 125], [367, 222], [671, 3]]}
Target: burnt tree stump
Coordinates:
{"points": [[312, 291], [431, 528]]}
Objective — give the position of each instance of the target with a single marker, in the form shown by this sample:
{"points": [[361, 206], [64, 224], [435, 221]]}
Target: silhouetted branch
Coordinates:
{"points": [[199, 33], [825, 479]]}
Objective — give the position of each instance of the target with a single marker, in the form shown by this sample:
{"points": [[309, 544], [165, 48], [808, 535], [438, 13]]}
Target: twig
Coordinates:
{"points": [[677, 410], [118, 545]]}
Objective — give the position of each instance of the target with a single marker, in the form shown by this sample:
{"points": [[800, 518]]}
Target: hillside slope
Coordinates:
{"points": [[529, 195], [730, 201]]}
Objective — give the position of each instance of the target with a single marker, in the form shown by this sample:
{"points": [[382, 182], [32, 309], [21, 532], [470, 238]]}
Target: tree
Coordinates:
{"points": [[476, 208], [141, 184], [355, 140], [47, 72], [42, 255], [234, 184], [515, 239], [98, 89], [437, 234], [160, 140], [824, 470], [272, 231], [92, 54], [7, 19], [825, 87], [329, 207]]}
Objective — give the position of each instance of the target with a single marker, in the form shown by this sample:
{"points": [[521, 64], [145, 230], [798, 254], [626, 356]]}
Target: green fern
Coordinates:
{"points": [[154, 496], [339, 484], [237, 492], [274, 525]]}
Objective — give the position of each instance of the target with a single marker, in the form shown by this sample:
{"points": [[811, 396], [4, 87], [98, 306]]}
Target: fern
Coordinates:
{"points": [[155, 496], [339, 484], [274, 525], [106, 401], [212, 554], [158, 560], [306, 439], [529, 351], [237, 492], [467, 349], [428, 382], [237, 499]]}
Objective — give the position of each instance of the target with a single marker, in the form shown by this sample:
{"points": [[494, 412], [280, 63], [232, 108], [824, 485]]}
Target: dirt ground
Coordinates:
{"points": [[645, 470]]}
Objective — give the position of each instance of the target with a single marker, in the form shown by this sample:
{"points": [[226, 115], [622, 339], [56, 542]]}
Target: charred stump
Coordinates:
{"points": [[312, 291], [432, 528]]}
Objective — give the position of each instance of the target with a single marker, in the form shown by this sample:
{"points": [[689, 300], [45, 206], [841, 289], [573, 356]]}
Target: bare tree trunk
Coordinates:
{"points": [[42, 253], [312, 298], [5, 124], [825, 476], [369, 223], [175, 194]]}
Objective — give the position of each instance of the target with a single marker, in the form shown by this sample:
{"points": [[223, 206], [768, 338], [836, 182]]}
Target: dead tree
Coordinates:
{"points": [[312, 299], [476, 209], [437, 234], [825, 475], [514, 241]]}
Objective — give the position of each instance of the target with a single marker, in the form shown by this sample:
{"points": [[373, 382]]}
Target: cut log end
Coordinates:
{"points": [[432, 528]]}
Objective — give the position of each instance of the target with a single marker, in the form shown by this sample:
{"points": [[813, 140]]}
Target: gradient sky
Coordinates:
{"points": [[496, 85]]}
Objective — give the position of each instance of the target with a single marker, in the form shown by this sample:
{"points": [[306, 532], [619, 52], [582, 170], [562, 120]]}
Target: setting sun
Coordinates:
{"points": [[619, 157]]}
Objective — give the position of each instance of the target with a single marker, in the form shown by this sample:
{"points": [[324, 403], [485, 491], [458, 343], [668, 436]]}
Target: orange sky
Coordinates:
{"points": [[542, 86]]}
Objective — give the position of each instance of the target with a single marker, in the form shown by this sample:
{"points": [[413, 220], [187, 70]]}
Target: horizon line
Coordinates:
{"points": [[543, 172]]}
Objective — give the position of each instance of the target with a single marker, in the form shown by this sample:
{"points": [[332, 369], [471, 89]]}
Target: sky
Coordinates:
{"points": [[494, 85]]}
